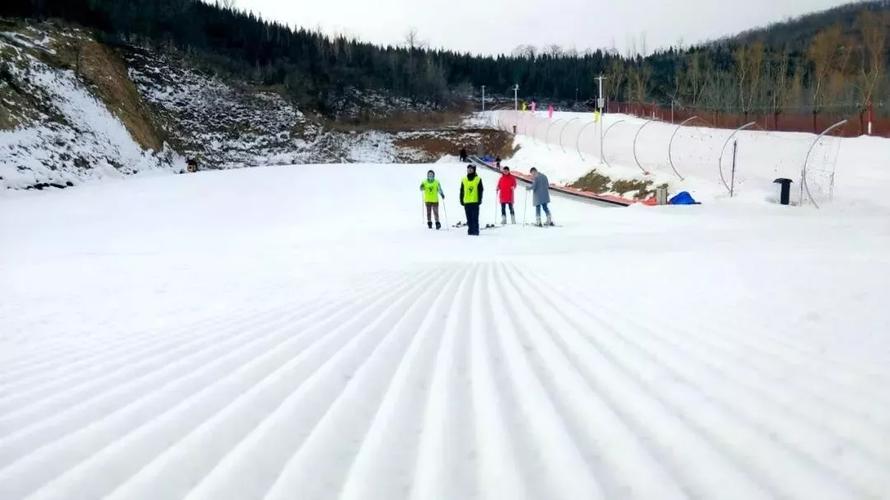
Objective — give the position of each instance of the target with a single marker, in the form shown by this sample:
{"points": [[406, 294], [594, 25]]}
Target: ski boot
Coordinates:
{"points": [[438, 225], [512, 219], [538, 222], [503, 220], [429, 224], [550, 221]]}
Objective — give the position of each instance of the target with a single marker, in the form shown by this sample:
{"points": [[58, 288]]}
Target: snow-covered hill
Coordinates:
{"points": [[73, 109], [299, 333]]}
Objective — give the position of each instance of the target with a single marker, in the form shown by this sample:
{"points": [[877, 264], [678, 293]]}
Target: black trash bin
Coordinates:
{"points": [[785, 196]]}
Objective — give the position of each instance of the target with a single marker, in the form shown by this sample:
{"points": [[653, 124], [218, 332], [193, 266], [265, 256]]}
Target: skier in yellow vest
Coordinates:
{"points": [[471, 199], [432, 189]]}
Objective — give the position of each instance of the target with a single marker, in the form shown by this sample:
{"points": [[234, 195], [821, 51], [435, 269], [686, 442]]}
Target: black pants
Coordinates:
{"points": [[504, 209], [472, 211]]}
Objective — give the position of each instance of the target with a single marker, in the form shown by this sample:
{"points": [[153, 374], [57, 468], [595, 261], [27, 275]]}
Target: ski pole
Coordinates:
{"points": [[445, 216], [422, 210]]}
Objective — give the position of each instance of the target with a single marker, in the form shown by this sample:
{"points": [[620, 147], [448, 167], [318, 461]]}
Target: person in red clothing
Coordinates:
{"points": [[506, 186]]}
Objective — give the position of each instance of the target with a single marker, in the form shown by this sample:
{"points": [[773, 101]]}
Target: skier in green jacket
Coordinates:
{"points": [[432, 190]]}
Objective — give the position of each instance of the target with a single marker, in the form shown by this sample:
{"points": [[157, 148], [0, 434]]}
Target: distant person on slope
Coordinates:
{"points": [[463, 155], [471, 198], [432, 190], [540, 189], [506, 186]]}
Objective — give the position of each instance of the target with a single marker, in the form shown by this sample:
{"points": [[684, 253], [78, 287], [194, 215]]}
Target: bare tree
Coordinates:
{"points": [[526, 51], [718, 92], [640, 77], [873, 27], [828, 56], [740, 56], [679, 78], [779, 85], [617, 76], [554, 50], [413, 41], [749, 73], [228, 4], [696, 78]]}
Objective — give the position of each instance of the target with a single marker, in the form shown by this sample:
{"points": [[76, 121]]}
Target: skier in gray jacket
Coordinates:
{"points": [[540, 189]]}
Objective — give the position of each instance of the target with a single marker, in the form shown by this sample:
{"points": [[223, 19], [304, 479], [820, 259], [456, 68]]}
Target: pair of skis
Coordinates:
{"points": [[543, 225], [487, 226]]}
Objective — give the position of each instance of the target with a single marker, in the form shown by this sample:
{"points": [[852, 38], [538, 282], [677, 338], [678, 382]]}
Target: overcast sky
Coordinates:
{"points": [[498, 26]]}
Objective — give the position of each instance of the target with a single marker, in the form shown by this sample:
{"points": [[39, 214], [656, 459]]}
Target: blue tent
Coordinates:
{"points": [[683, 198]]}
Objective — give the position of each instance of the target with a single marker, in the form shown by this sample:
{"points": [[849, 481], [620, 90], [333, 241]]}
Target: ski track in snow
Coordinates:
{"points": [[495, 378]]}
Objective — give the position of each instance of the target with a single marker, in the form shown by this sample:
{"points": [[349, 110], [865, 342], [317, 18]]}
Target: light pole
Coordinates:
{"points": [[483, 98], [516, 97]]}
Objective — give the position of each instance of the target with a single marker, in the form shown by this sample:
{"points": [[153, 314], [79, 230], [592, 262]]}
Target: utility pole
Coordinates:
{"points": [[600, 104], [516, 97], [483, 98]]}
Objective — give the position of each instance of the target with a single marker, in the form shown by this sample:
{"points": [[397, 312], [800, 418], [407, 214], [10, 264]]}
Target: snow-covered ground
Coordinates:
{"points": [[297, 332], [568, 146]]}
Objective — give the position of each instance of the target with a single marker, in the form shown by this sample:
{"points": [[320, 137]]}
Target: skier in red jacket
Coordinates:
{"points": [[506, 186]]}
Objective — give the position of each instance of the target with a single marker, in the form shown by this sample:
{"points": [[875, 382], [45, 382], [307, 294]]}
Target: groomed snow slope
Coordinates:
{"points": [[297, 333]]}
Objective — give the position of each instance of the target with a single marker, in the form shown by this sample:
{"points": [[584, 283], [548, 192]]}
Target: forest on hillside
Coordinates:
{"points": [[828, 60]]}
